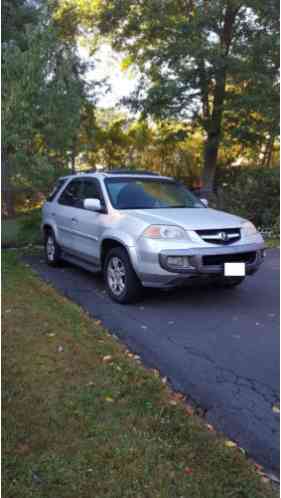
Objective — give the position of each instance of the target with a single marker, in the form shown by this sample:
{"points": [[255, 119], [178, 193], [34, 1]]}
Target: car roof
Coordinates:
{"points": [[116, 174]]}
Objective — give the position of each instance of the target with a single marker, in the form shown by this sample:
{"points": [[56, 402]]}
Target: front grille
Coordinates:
{"points": [[220, 259], [220, 236]]}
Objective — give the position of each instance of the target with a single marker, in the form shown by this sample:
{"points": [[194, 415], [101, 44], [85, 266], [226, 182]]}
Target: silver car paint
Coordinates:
{"points": [[82, 233]]}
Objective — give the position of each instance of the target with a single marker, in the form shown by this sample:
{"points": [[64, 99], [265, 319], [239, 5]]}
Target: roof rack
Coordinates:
{"points": [[123, 171]]}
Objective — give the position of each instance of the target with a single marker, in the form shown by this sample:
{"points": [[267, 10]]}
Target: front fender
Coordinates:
{"points": [[125, 240]]}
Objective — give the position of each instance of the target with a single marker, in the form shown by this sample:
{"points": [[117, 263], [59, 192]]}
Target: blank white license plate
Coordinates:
{"points": [[234, 269]]}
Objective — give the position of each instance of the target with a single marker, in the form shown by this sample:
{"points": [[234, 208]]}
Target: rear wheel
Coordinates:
{"points": [[52, 249], [229, 282], [122, 283]]}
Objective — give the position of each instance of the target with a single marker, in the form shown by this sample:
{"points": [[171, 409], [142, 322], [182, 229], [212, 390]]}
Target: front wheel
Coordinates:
{"points": [[52, 249], [122, 283], [229, 282]]}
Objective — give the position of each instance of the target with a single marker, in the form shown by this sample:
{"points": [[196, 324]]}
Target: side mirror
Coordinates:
{"points": [[92, 205], [205, 202]]}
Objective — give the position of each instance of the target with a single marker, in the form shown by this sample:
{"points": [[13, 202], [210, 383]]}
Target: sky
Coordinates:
{"points": [[107, 65]]}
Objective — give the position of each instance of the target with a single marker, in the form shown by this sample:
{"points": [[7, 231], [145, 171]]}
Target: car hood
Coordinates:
{"points": [[190, 219]]}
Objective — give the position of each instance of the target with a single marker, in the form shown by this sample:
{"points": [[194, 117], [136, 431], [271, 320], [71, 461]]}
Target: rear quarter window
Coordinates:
{"points": [[56, 189]]}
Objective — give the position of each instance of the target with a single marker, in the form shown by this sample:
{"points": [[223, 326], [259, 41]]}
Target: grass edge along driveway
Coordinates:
{"points": [[83, 418]]}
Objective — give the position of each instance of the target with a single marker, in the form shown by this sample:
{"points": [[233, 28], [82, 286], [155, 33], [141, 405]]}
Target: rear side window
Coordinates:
{"points": [[72, 194], [56, 188]]}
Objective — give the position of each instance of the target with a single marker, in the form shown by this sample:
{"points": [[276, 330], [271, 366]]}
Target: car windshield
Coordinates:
{"points": [[149, 193]]}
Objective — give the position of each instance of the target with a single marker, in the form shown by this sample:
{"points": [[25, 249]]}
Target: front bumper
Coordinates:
{"points": [[161, 274]]}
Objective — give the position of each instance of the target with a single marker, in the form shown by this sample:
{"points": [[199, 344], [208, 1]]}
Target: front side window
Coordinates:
{"points": [[148, 193], [91, 190]]}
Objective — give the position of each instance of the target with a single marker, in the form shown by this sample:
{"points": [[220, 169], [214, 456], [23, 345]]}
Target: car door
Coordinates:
{"points": [[90, 224], [66, 214]]}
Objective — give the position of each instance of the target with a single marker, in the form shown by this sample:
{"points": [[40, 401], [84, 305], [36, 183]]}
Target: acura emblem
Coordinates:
{"points": [[223, 236]]}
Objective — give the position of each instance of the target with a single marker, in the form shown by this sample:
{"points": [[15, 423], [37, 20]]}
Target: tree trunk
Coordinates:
{"points": [[7, 199], [211, 149], [214, 122], [73, 158]]}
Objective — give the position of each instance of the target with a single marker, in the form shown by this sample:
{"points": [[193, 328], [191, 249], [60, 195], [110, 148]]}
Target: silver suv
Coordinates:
{"points": [[144, 230]]}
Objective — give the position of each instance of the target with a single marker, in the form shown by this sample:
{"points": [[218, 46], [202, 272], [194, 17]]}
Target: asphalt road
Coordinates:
{"points": [[220, 347]]}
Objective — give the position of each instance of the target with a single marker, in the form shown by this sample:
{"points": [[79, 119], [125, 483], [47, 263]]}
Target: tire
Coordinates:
{"points": [[122, 283], [52, 249], [229, 282]]}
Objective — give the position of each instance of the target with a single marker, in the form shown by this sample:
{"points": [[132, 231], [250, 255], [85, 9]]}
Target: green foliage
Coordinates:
{"points": [[29, 228], [213, 62], [45, 103], [253, 194]]}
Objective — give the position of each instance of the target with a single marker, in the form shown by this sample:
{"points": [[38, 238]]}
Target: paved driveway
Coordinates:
{"points": [[219, 347]]}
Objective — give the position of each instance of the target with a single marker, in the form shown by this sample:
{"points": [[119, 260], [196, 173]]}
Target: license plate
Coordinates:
{"points": [[234, 269]]}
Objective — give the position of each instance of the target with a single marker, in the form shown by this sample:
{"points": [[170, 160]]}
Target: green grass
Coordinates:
{"points": [[10, 232], [83, 419], [23, 230], [273, 243]]}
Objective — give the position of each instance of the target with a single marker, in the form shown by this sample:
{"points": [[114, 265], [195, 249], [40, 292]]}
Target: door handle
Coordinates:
{"points": [[74, 220]]}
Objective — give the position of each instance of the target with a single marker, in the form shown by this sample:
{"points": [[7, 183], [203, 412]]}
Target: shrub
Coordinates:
{"points": [[29, 228], [252, 194]]}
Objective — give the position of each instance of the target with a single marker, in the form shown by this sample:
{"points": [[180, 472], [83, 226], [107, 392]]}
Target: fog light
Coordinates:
{"points": [[178, 261]]}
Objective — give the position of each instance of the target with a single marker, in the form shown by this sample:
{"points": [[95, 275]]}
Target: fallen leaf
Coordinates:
{"points": [[173, 402], [242, 450], [23, 449], [210, 428], [137, 357], [109, 400], [164, 380], [230, 444], [97, 322], [60, 349], [52, 334], [276, 409], [265, 479], [188, 471], [189, 410], [107, 358]]}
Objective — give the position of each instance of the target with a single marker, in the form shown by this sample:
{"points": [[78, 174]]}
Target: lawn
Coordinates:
{"points": [[83, 418], [22, 230]]}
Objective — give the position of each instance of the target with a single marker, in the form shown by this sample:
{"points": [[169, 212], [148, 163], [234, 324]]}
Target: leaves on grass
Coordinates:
{"points": [[109, 399]]}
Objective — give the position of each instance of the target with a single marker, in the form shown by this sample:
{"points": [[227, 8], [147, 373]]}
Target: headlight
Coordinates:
{"points": [[164, 232], [248, 229]]}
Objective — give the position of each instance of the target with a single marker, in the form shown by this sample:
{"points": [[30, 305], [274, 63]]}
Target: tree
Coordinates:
{"points": [[44, 98], [190, 53]]}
